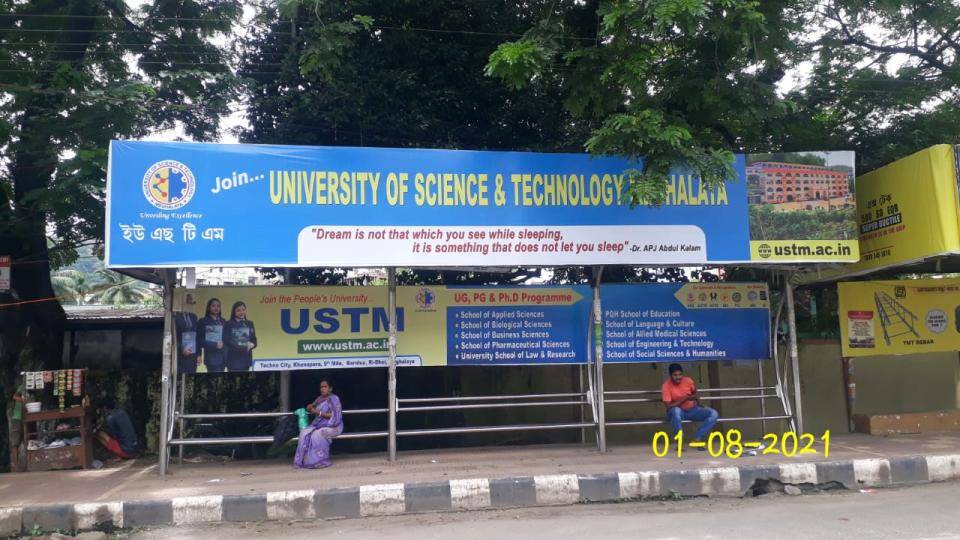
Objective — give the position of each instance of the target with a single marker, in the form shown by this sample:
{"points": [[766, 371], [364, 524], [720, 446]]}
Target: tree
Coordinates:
{"points": [[71, 285], [789, 157], [75, 74], [885, 80], [120, 290], [396, 73], [678, 83], [766, 223], [631, 274]]}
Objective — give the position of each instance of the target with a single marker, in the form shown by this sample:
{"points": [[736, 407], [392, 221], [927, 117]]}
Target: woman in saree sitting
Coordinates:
{"points": [[313, 449]]}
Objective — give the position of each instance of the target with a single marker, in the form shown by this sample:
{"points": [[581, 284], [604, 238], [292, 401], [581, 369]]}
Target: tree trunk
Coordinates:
{"points": [[31, 318]]}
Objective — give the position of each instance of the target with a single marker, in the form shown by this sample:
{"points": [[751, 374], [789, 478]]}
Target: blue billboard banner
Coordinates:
{"points": [[191, 204], [685, 322], [513, 326]]}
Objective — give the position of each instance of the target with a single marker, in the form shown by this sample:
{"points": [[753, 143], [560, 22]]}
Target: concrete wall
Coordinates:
{"points": [[638, 377], [903, 384], [821, 387], [746, 375], [885, 384]]}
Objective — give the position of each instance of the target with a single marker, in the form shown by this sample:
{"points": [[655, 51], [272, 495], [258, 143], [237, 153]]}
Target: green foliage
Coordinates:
{"points": [[396, 73], [401, 74], [630, 274], [86, 281], [884, 80], [135, 391], [675, 81], [74, 96], [788, 157], [768, 224], [324, 51], [73, 76], [519, 62], [672, 83], [307, 276], [71, 285], [120, 290]]}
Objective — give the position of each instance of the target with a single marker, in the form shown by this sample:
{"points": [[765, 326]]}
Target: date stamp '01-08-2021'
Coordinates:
{"points": [[731, 444]]}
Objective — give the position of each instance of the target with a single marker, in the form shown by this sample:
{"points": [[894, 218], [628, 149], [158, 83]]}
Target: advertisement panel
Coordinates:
{"points": [[900, 317], [908, 210], [190, 204], [799, 201], [289, 328], [684, 322]]}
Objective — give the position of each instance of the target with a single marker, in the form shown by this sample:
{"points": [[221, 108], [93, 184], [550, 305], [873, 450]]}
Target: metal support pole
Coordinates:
{"points": [[781, 385], [181, 409], [165, 376], [794, 354], [392, 366], [285, 391], [763, 405], [598, 347], [850, 383], [591, 387], [588, 368], [285, 375], [583, 431]]}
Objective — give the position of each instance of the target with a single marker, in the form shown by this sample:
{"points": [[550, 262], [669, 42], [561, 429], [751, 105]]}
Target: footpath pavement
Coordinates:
{"points": [[132, 494]]}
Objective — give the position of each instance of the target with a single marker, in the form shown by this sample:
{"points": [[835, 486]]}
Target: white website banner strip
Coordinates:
{"points": [[500, 246], [291, 364]]}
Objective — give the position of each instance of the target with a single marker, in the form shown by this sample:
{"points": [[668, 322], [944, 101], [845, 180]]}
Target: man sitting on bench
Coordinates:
{"points": [[682, 403]]}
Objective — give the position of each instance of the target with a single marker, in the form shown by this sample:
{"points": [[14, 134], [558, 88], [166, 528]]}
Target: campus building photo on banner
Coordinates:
{"points": [[900, 317], [798, 203], [197, 204]]}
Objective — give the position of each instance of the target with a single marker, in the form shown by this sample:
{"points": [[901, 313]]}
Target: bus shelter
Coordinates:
{"points": [[177, 206], [909, 223]]}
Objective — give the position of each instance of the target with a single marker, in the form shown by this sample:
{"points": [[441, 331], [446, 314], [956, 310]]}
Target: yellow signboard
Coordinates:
{"points": [[900, 317], [908, 211]]}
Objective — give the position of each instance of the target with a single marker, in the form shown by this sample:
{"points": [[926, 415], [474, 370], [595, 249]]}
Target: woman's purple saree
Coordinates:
{"points": [[313, 449]]}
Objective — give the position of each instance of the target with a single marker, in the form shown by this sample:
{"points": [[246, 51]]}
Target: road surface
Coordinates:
{"points": [[922, 512]]}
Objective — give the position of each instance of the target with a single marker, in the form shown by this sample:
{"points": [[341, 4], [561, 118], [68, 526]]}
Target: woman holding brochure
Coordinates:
{"points": [[185, 324], [211, 332], [240, 339]]}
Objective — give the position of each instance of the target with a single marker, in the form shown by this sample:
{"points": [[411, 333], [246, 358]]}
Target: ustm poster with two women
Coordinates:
{"points": [[287, 328]]}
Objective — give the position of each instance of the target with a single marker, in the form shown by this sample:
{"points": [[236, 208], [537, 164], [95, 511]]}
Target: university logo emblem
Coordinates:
{"points": [[169, 185], [426, 298]]}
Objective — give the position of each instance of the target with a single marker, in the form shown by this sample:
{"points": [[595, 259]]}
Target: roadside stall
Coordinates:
{"points": [[57, 420], [176, 206]]}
